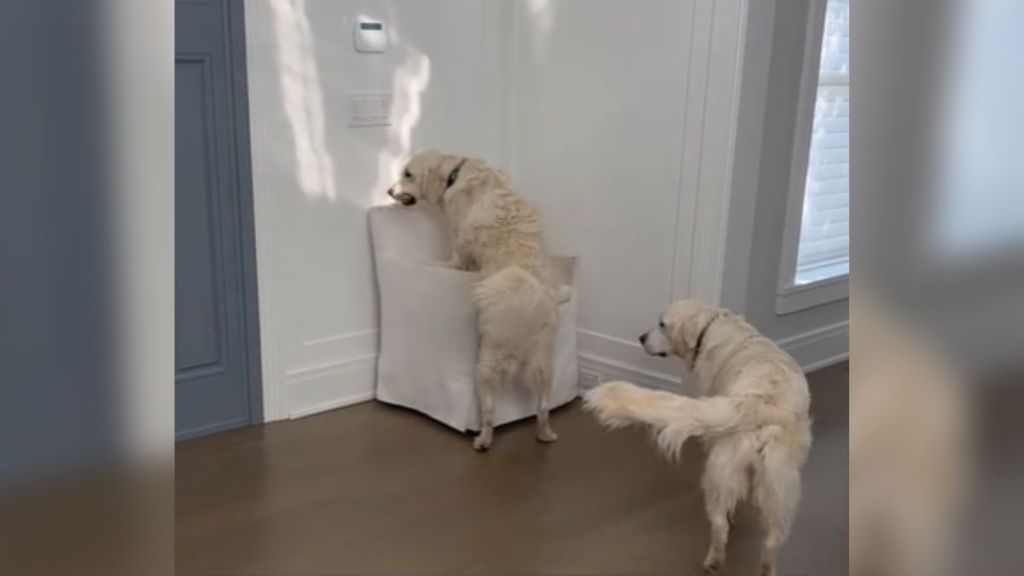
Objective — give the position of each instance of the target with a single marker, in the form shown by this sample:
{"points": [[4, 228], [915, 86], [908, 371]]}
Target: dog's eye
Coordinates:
{"points": [[407, 174], [661, 323]]}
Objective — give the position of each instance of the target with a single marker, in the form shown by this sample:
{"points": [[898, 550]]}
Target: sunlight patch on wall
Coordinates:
{"points": [[409, 82], [542, 16], [303, 98]]}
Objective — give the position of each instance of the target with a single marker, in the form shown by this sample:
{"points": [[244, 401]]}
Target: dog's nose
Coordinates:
{"points": [[643, 338], [391, 191]]}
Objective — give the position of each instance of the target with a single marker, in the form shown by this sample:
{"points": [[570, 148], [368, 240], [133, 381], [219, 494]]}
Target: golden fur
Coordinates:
{"points": [[753, 417], [496, 233]]}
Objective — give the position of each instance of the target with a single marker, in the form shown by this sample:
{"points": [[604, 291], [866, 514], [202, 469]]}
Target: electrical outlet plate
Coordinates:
{"points": [[369, 109]]}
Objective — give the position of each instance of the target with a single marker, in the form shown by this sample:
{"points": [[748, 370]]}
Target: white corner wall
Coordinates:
{"points": [[314, 177], [621, 125]]}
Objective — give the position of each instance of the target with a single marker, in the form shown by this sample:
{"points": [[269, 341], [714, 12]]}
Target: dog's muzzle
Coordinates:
{"points": [[643, 344], [405, 199]]}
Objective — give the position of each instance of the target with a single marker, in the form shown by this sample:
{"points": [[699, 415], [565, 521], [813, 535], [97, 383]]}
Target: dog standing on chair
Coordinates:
{"points": [[753, 417], [496, 233]]}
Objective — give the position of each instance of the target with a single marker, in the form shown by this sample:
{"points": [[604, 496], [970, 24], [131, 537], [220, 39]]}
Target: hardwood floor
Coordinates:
{"points": [[373, 489]]}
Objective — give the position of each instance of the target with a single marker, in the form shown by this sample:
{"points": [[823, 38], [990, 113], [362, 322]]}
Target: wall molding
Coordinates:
{"points": [[789, 299], [602, 358], [610, 351], [715, 70], [597, 369], [328, 349], [259, 56], [813, 350], [357, 398], [332, 372], [820, 347], [318, 388]]}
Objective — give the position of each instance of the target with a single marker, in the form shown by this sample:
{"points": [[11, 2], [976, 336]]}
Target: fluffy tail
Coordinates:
{"points": [[674, 418], [513, 305]]}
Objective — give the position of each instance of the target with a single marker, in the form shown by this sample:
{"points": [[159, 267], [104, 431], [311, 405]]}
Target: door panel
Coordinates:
{"points": [[199, 284], [216, 376]]}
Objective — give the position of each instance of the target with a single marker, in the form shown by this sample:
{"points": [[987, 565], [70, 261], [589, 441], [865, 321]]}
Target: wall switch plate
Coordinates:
{"points": [[369, 109]]}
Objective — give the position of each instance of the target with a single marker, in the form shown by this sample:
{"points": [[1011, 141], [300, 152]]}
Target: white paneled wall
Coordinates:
{"points": [[621, 132], [315, 177], [617, 119]]}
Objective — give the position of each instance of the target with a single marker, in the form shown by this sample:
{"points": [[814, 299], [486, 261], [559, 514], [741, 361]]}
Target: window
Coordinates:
{"points": [[815, 263], [824, 248]]}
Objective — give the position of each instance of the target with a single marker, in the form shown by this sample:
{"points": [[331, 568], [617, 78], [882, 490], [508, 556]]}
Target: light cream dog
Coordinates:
{"points": [[753, 418], [497, 233]]}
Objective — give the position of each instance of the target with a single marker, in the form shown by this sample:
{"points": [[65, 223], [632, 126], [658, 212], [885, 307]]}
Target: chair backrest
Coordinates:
{"points": [[422, 234], [413, 233]]}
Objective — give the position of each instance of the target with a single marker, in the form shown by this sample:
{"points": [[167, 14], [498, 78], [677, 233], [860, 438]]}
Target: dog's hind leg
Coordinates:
{"points": [[490, 374], [725, 483], [538, 374], [777, 491]]}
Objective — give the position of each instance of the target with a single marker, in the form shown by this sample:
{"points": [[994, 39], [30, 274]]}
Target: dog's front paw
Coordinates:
{"points": [[482, 442], [713, 562], [547, 435]]}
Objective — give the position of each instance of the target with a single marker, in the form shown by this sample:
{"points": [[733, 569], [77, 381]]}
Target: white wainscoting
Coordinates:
{"points": [[605, 358], [325, 385], [602, 358]]}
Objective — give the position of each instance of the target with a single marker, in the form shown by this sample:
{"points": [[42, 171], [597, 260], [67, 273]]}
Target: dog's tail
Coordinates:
{"points": [[513, 304], [674, 418]]}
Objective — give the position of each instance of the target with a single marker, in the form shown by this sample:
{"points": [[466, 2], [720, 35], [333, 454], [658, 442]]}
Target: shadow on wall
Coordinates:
{"points": [[303, 96]]}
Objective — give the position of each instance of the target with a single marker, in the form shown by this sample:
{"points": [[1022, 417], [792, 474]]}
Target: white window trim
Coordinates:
{"points": [[791, 297]]}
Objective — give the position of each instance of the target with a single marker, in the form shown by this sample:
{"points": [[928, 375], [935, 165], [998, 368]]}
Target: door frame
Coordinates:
{"points": [[238, 103]]}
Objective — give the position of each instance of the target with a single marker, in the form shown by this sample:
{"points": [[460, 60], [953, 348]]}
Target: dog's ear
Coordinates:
{"points": [[432, 175], [689, 328], [433, 182], [439, 173]]}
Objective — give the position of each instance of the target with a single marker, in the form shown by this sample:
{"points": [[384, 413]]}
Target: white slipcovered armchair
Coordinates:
{"points": [[428, 335]]}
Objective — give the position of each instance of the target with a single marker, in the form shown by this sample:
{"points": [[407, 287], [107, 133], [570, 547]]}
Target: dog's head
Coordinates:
{"points": [[425, 177], [680, 330]]}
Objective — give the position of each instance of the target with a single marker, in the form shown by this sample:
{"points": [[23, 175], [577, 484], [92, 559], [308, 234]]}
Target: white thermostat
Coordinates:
{"points": [[370, 35]]}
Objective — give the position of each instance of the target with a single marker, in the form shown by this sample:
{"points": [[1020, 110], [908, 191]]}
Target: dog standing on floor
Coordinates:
{"points": [[753, 417], [496, 233]]}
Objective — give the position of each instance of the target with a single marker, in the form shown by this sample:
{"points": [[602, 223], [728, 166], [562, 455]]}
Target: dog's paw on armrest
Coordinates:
{"points": [[562, 294]]}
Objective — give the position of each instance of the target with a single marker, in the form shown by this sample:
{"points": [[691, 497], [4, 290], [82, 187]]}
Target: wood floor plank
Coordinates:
{"points": [[377, 490]]}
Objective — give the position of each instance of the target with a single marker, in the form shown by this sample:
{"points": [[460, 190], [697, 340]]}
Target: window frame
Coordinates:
{"points": [[790, 296]]}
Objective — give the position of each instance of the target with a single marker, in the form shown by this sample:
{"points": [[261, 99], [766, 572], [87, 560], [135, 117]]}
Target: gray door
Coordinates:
{"points": [[217, 384]]}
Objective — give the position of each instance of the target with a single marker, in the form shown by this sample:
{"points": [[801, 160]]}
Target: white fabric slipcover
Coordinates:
{"points": [[428, 335]]}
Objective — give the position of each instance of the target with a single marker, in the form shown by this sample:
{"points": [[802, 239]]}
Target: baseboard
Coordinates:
{"points": [[357, 398], [332, 385], [604, 348], [604, 358], [597, 369], [819, 348]]}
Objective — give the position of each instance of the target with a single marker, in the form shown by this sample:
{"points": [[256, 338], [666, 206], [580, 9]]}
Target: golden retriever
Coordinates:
{"points": [[753, 418], [496, 233]]}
